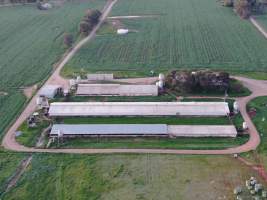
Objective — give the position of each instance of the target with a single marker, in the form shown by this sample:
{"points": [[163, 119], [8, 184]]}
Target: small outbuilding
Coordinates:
{"points": [[122, 31], [50, 91]]}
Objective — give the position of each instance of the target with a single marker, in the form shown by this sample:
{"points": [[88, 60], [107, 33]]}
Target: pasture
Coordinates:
{"points": [[130, 177], [31, 43], [178, 34]]}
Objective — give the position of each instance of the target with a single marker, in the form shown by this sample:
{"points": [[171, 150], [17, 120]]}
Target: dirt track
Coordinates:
{"points": [[259, 88]]}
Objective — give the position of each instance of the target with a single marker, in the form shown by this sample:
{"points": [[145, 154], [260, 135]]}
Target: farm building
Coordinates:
{"points": [[100, 77], [108, 129], [163, 130], [49, 91], [202, 131], [116, 90], [138, 109]]}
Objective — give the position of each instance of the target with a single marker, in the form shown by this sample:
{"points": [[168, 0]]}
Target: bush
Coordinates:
{"points": [[228, 3], [85, 28], [68, 39]]}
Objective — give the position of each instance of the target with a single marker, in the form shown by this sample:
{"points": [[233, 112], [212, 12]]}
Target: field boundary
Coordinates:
{"points": [[258, 26]]}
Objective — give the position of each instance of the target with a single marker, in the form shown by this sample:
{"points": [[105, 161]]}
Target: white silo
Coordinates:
{"points": [[245, 126], [78, 79], [161, 77], [236, 107], [161, 84], [72, 82]]}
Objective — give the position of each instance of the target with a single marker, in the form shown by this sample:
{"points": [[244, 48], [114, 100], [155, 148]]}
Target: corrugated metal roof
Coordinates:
{"points": [[117, 89], [202, 131], [109, 129], [99, 77], [145, 129], [49, 91], [139, 109]]}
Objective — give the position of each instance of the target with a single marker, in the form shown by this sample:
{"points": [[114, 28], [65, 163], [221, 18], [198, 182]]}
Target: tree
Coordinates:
{"points": [[92, 16], [85, 28], [68, 39], [228, 3], [243, 8]]}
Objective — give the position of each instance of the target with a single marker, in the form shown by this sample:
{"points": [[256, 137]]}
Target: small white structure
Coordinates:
{"points": [[161, 77], [42, 102], [236, 107], [47, 6], [122, 31], [245, 126], [202, 131], [100, 77], [72, 83], [116, 90], [139, 109], [49, 91]]}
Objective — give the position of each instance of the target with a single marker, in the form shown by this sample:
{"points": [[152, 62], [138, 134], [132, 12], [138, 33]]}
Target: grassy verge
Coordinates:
{"points": [[8, 165], [29, 136], [145, 120], [150, 143], [161, 98]]}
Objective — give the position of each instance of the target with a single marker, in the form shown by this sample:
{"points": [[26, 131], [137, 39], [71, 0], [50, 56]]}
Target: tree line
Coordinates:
{"points": [[245, 8], [86, 25]]}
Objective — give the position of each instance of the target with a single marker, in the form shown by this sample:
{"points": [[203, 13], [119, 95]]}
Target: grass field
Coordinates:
{"points": [[31, 42], [152, 143], [130, 177], [260, 104], [182, 34], [8, 164]]}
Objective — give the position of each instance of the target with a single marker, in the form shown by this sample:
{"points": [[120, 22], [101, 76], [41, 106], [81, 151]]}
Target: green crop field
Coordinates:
{"points": [[130, 177], [180, 34], [31, 42]]}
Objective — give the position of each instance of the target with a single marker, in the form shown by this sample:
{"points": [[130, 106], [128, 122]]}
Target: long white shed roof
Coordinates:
{"points": [[202, 131], [116, 89], [139, 109]]}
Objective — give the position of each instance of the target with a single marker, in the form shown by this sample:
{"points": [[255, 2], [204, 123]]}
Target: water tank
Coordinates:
{"points": [[245, 126], [161, 84], [39, 101], [122, 31], [236, 107], [161, 77], [72, 82], [78, 79]]}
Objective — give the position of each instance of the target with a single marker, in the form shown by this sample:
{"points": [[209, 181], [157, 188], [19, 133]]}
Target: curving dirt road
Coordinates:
{"points": [[258, 88]]}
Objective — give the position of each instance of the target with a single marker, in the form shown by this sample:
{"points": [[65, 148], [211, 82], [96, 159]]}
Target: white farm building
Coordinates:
{"points": [[116, 90], [162, 130], [58, 109]]}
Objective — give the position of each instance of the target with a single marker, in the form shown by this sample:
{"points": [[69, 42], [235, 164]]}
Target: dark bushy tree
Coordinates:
{"points": [[68, 39]]}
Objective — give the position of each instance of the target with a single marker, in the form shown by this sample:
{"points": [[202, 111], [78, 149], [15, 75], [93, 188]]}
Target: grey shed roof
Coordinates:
{"points": [[49, 91], [109, 129]]}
